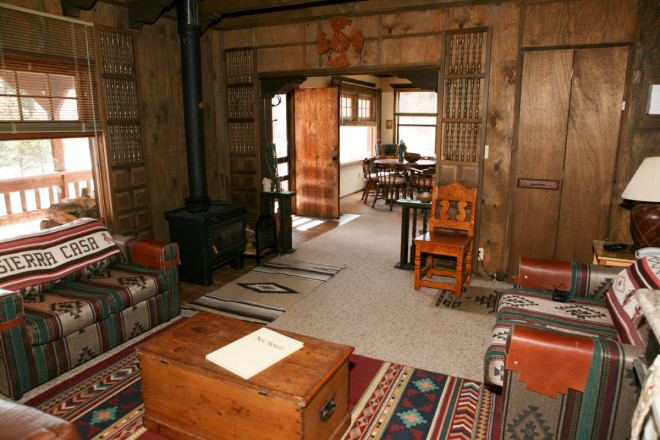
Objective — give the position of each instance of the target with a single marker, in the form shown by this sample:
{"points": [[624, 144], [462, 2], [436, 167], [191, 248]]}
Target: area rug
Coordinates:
{"points": [[266, 291], [387, 400], [475, 299], [408, 403]]}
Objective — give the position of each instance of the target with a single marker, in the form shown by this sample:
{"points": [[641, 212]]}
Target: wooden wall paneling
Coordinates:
{"points": [[214, 140], [591, 147], [495, 198], [161, 102], [637, 139], [543, 113], [571, 23]]}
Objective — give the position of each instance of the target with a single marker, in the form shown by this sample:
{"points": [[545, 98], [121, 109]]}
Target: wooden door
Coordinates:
{"points": [[570, 110], [316, 131], [593, 131]]}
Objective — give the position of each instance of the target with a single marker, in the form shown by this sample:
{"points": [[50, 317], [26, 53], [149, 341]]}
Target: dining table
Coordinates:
{"points": [[405, 165]]}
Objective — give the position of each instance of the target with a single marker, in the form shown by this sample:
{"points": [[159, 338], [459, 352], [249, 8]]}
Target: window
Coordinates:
{"points": [[355, 143], [49, 120], [346, 107], [415, 114], [364, 108]]}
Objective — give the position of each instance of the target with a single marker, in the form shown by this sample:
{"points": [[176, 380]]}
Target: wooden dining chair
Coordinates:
{"points": [[446, 249], [389, 185], [420, 180], [370, 179]]}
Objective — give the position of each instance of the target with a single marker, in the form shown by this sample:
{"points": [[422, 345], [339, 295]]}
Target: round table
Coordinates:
{"points": [[421, 163]]}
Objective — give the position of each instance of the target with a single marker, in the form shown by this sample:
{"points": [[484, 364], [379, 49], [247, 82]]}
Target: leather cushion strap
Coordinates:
{"points": [[549, 362], [13, 323], [147, 253], [543, 274]]}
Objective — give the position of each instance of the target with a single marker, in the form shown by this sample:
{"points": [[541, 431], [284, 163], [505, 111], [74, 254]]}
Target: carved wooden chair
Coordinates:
{"points": [[450, 237], [390, 184], [370, 179]]}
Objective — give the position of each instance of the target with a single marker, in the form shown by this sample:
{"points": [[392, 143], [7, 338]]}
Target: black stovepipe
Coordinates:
{"points": [[191, 78]]}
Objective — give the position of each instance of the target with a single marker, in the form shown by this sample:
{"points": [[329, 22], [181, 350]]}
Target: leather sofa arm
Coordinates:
{"points": [[540, 274], [154, 254], [549, 362], [11, 309], [149, 253], [594, 393], [21, 422]]}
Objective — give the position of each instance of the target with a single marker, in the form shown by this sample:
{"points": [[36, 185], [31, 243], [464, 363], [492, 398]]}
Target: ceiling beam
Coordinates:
{"points": [[71, 8], [146, 12]]}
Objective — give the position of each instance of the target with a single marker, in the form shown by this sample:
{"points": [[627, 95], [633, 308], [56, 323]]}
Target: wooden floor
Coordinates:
{"points": [[225, 274]]}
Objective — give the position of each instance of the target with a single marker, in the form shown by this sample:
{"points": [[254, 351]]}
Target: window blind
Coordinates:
{"points": [[47, 79]]}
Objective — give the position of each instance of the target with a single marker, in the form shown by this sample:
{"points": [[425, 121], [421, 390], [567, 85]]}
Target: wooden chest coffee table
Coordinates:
{"points": [[303, 396]]}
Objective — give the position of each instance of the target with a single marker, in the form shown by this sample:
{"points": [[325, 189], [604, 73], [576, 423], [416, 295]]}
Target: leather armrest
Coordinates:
{"points": [[148, 253], [549, 362], [8, 319], [23, 422], [543, 274]]}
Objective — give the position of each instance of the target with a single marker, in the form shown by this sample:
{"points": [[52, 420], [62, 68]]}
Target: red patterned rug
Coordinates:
{"points": [[405, 403], [388, 401]]}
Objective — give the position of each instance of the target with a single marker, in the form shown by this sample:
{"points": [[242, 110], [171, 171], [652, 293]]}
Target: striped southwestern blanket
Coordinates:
{"points": [[266, 291]]}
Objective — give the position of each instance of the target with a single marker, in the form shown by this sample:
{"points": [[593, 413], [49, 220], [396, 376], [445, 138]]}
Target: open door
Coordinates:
{"points": [[316, 128]]}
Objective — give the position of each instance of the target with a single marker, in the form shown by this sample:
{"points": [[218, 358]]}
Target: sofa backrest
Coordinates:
{"points": [[43, 257], [625, 311]]}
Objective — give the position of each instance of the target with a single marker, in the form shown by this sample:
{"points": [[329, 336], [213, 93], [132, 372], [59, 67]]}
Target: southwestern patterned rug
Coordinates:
{"points": [[475, 299], [266, 291], [387, 400], [407, 403]]}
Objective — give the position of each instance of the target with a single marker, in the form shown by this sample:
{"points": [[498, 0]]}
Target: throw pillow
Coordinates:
{"points": [[621, 301], [55, 253]]}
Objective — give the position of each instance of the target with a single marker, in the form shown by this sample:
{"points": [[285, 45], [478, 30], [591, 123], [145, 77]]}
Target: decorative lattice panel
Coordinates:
{"points": [[465, 86], [240, 101], [121, 99], [240, 67], [126, 143]]}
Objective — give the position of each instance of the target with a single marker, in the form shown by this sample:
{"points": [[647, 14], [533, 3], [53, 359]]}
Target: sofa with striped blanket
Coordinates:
{"points": [[72, 292], [565, 363]]}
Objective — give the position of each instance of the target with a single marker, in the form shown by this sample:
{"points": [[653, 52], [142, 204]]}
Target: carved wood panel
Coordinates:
{"points": [[125, 163], [242, 137]]}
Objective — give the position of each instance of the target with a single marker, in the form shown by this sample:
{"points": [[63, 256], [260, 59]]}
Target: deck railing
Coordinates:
{"points": [[27, 198]]}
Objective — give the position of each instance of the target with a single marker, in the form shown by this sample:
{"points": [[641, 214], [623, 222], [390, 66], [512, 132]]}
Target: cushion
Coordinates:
{"points": [[73, 305], [625, 311], [51, 254], [535, 308]]}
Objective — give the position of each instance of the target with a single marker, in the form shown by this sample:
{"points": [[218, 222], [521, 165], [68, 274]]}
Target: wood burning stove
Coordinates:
{"points": [[208, 239], [209, 234]]}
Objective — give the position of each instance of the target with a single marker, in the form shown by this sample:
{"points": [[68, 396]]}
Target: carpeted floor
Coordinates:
{"points": [[387, 401], [374, 307]]}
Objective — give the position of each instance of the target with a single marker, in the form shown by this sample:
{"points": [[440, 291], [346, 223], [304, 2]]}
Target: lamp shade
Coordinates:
{"points": [[644, 187], [645, 184]]}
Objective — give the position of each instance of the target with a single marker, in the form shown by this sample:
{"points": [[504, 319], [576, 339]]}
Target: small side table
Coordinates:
{"points": [[425, 207], [603, 257], [284, 204]]}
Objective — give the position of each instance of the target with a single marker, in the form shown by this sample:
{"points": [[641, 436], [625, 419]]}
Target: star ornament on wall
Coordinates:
{"points": [[339, 42]]}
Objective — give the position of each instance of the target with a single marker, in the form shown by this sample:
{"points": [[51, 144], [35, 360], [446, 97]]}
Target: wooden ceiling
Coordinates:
{"points": [[233, 14]]}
